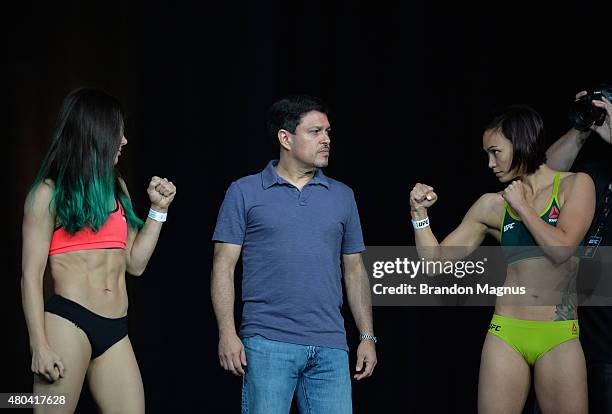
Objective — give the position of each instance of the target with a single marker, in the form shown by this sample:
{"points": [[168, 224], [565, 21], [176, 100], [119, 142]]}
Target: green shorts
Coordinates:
{"points": [[532, 339]]}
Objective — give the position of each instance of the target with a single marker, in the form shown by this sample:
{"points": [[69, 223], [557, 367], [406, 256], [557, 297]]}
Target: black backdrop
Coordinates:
{"points": [[410, 87]]}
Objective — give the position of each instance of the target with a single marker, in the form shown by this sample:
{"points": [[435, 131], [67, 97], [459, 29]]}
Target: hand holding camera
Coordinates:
{"points": [[592, 110]]}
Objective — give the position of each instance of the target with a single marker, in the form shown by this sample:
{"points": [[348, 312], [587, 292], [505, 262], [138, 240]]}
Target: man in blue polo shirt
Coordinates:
{"points": [[294, 226]]}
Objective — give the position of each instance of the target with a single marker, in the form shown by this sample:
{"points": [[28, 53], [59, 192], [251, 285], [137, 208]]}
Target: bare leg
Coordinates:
{"points": [[560, 380], [504, 379], [115, 382], [72, 345]]}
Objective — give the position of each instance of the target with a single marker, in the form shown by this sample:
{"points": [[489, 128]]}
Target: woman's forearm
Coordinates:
{"points": [[34, 309], [143, 246], [552, 240]]}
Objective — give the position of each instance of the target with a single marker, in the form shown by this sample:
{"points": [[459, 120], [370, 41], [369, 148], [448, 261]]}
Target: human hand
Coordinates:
{"points": [[366, 360], [514, 194], [422, 197], [46, 363], [604, 130], [161, 193], [231, 354]]}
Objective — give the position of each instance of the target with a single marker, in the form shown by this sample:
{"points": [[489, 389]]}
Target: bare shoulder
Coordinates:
{"points": [[574, 182], [39, 198], [569, 179], [491, 203]]}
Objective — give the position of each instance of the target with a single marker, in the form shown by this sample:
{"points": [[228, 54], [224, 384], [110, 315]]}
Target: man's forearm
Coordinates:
{"points": [[359, 299], [222, 292], [563, 152]]}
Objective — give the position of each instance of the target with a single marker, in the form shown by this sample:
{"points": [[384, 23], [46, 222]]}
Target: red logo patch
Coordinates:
{"points": [[554, 212], [574, 328]]}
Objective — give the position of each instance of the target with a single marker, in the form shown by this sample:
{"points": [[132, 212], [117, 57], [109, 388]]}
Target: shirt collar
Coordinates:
{"points": [[269, 177]]}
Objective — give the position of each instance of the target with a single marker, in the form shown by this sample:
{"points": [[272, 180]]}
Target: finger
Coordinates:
{"points": [[160, 188], [359, 363], [154, 182], [170, 189], [163, 190], [580, 94], [243, 357], [230, 365], [53, 373], [369, 367], [222, 362], [359, 376], [60, 366], [374, 363], [47, 377], [232, 369], [237, 364], [603, 104], [419, 195]]}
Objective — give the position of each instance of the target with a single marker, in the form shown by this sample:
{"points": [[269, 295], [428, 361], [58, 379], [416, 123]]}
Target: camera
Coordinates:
{"points": [[584, 114]]}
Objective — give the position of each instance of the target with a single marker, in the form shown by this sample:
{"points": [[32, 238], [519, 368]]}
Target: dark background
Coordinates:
{"points": [[410, 86]]}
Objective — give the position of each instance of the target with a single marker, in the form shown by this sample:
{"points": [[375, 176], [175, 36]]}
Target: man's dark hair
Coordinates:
{"points": [[523, 126], [287, 113]]}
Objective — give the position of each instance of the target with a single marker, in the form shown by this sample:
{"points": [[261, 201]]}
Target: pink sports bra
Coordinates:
{"points": [[112, 234]]}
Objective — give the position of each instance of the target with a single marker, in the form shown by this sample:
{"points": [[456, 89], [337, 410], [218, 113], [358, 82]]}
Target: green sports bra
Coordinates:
{"points": [[516, 241]]}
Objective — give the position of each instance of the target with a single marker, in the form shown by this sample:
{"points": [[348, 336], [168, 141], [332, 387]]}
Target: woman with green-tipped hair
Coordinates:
{"points": [[78, 217]]}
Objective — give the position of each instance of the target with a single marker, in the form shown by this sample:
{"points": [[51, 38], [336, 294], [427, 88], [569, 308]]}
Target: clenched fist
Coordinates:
{"points": [[47, 364], [422, 197], [514, 194], [161, 193]]}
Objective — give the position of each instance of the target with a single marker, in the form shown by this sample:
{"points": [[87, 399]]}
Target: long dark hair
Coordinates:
{"points": [[80, 161], [524, 127]]}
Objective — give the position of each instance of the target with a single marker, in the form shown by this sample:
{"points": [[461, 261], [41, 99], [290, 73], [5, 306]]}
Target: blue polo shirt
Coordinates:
{"points": [[292, 242]]}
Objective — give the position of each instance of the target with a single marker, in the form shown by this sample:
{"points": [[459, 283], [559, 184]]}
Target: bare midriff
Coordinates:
{"points": [[94, 279], [549, 287]]}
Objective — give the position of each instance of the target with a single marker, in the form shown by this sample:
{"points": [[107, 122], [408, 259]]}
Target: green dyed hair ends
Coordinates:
{"points": [[81, 159]]}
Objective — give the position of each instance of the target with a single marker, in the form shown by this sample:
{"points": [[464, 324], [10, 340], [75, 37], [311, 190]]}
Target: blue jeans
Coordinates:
{"points": [[277, 370]]}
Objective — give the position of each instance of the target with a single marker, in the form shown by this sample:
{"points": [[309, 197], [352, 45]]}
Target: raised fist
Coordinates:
{"points": [[422, 197], [161, 193]]}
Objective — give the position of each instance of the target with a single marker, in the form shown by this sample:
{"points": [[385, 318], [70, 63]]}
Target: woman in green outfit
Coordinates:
{"points": [[539, 219]]}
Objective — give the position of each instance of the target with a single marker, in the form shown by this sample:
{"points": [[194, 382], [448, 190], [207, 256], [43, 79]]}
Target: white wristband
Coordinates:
{"points": [[420, 224], [157, 216]]}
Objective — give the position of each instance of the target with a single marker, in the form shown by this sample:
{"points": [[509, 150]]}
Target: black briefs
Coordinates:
{"points": [[102, 332]]}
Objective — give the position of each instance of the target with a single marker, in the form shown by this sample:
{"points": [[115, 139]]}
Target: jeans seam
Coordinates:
{"points": [[245, 403], [308, 407]]}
